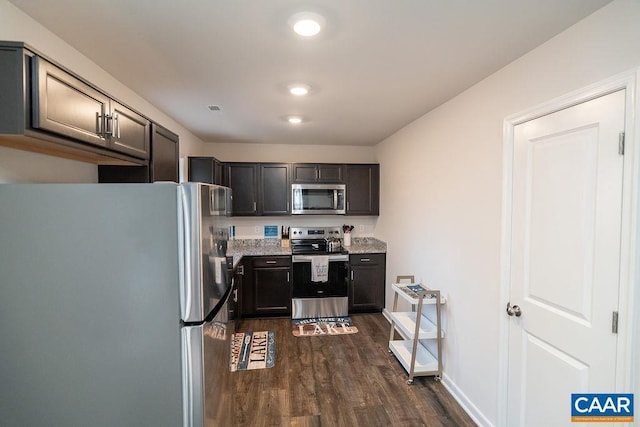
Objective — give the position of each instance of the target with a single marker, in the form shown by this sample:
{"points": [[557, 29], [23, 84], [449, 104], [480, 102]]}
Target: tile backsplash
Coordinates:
{"points": [[253, 227]]}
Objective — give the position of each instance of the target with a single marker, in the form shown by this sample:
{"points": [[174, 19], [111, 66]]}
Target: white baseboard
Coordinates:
{"points": [[472, 410]]}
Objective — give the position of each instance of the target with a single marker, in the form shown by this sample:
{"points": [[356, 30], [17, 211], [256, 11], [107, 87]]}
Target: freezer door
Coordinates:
{"points": [[204, 236], [206, 352]]}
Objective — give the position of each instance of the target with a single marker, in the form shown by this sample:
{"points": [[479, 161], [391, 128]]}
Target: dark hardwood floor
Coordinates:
{"points": [[347, 380]]}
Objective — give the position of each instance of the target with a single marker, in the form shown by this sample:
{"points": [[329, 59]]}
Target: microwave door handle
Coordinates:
{"points": [[335, 199]]}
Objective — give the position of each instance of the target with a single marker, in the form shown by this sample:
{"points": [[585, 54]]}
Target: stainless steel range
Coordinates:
{"points": [[320, 282]]}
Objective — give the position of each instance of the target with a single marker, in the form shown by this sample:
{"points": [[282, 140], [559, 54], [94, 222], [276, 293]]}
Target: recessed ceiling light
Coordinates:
{"points": [[307, 24], [294, 120], [213, 107], [299, 89]]}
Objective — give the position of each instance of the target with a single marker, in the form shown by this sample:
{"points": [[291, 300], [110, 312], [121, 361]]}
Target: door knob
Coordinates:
{"points": [[513, 310]]}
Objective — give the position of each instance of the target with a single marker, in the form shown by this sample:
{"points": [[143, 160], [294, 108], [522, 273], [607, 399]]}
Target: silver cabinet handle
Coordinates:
{"points": [[513, 310], [365, 259], [271, 262], [116, 124], [100, 124], [108, 130], [351, 274], [254, 206], [288, 278]]}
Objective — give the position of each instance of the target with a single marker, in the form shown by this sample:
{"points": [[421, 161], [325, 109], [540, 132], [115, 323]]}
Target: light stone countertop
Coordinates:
{"points": [[272, 247]]}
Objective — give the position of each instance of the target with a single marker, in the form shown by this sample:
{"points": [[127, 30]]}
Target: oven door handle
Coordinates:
{"points": [[307, 258]]}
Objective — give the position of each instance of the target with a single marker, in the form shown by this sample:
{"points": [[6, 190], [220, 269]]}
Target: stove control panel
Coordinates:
{"points": [[315, 232]]}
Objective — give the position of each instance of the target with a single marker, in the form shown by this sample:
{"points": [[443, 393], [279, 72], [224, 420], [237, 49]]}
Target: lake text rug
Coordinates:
{"points": [[323, 326], [253, 350]]}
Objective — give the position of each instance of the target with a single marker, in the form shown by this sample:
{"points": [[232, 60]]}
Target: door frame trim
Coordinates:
{"points": [[627, 376]]}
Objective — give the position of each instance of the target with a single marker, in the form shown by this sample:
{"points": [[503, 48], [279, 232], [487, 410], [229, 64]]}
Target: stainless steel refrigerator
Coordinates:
{"points": [[114, 305]]}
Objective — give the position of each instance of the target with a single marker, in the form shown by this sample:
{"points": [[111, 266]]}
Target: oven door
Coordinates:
{"points": [[337, 284]]}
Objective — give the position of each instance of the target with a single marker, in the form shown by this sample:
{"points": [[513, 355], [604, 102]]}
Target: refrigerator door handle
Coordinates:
{"points": [[185, 256], [192, 376]]}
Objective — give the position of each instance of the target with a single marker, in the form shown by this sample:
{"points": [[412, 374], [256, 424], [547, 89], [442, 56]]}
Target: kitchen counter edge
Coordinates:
{"points": [[272, 247]]}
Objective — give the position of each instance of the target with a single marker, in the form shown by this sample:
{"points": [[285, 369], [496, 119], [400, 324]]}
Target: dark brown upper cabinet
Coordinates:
{"points": [[65, 105], [130, 132], [206, 169], [48, 109], [310, 172], [275, 192], [243, 180], [163, 164], [165, 148], [363, 189], [259, 188]]}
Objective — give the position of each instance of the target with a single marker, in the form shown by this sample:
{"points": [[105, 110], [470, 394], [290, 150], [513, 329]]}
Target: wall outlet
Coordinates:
{"points": [[257, 229]]}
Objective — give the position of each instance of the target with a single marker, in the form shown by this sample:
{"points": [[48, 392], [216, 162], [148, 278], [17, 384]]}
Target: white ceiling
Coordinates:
{"points": [[379, 65]]}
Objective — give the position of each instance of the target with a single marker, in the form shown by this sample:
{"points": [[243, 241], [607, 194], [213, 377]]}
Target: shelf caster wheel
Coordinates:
{"points": [[409, 382], [437, 379]]}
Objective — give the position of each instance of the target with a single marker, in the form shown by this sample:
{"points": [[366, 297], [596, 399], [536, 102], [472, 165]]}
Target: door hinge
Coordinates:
{"points": [[614, 322], [621, 143]]}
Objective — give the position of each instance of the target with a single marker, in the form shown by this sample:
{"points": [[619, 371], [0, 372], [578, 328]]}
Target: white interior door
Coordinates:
{"points": [[565, 259]]}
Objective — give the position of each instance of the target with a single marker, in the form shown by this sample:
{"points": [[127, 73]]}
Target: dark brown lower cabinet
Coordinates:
{"points": [[266, 286], [366, 293]]}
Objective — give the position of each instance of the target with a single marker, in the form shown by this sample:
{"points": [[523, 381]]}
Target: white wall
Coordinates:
{"points": [[19, 166], [443, 183], [235, 152]]}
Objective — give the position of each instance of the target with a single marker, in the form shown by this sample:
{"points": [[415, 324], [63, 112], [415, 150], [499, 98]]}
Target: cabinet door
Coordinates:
{"points": [[363, 189], [130, 132], [272, 290], [164, 154], [330, 173], [303, 172], [243, 180], [65, 105], [218, 172], [206, 169], [202, 169], [275, 191], [311, 172], [367, 282]]}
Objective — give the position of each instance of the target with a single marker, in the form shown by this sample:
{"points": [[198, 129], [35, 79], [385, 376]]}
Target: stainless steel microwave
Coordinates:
{"points": [[318, 199]]}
